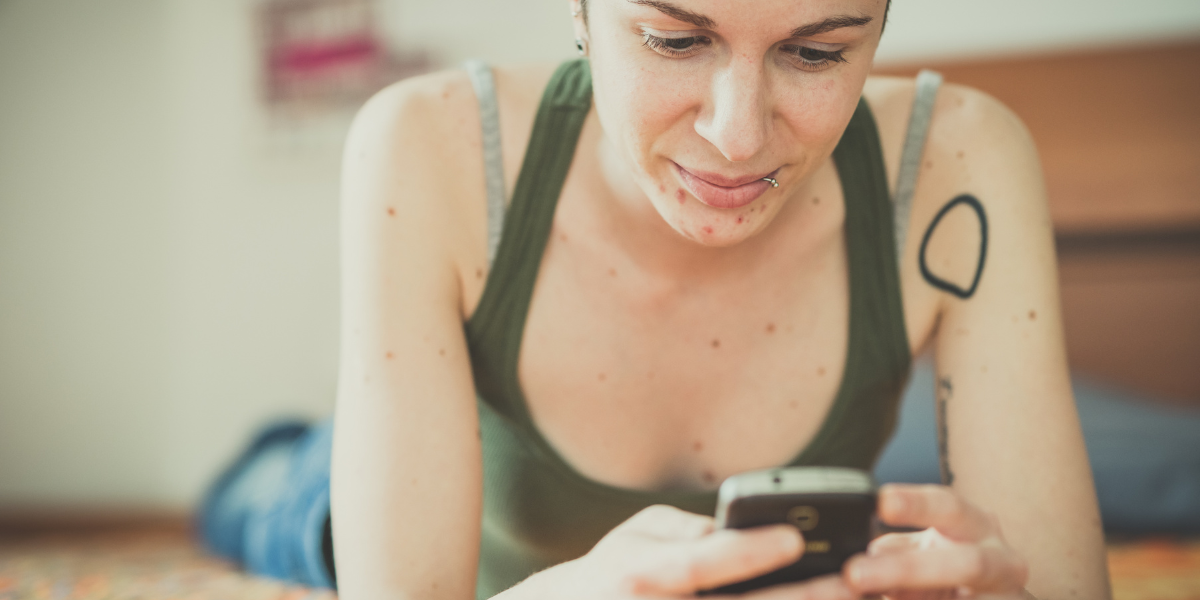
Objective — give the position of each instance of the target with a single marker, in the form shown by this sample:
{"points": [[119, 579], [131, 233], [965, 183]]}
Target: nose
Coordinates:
{"points": [[735, 117]]}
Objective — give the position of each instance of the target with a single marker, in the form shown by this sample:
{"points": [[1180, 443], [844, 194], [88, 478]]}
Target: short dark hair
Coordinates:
{"points": [[886, 9]]}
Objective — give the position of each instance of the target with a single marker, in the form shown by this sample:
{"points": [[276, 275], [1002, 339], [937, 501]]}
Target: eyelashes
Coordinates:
{"points": [[804, 57], [675, 47], [815, 58]]}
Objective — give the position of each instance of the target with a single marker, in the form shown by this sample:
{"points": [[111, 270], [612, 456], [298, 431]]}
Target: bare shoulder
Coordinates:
{"points": [[975, 147], [969, 126], [413, 192], [413, 184], [413, 143]]}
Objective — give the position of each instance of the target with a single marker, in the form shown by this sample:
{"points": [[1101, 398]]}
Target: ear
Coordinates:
{"points": [[579, 24]]}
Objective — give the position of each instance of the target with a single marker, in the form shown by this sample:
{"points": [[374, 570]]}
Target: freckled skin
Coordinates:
{"points": [[441, 351], [1032, 315], [389, 356], [770, 328], [821, 371], [716, 343], [478, 273], [699, 113], [391, 212], [698, 446]]}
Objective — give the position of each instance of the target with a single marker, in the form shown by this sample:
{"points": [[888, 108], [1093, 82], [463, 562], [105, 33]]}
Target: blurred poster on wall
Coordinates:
{"points": [[328, 55]]}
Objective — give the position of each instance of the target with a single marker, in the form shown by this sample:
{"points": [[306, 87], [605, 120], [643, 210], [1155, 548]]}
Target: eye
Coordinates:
{"points": [[812, 59], [675, 47]]}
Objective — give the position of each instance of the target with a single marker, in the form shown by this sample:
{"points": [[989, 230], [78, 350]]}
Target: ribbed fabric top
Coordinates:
{"points": [[540, 511]]}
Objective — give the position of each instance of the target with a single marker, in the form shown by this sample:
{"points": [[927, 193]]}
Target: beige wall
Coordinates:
{"points": [[168, 252]]}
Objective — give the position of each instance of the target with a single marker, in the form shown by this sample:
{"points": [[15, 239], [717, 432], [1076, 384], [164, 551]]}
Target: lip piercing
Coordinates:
{"points": [[773, 183]]}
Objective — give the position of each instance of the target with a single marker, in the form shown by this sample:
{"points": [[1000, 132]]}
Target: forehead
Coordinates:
{"points": [[751, 15]]}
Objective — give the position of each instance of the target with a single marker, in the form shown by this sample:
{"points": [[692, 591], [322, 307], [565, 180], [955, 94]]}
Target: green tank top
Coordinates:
{"points": [[538, 510]]}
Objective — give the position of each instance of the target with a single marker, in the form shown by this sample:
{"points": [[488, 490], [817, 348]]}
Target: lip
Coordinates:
{"points": [[719, 191]]}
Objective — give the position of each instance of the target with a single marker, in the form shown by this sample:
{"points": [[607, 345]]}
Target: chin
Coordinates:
{"points": [[711, 227]]}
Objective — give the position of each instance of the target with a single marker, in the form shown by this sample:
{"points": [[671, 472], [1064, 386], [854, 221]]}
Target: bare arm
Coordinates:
{"points": [[406, 480], [1011, 443]]}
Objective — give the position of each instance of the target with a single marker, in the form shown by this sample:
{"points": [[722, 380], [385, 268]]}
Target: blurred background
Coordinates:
{"points": [[169, 188]]}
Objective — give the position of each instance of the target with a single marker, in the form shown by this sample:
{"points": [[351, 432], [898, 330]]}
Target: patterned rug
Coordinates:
{"points": [[168, 565]]}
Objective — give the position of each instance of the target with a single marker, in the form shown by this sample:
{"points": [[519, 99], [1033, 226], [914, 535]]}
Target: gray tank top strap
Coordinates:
{"points": [[914, 146], [493, 161]]}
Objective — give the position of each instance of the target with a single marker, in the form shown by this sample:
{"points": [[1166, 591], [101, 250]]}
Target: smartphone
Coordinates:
{"points": [[834, 509]]}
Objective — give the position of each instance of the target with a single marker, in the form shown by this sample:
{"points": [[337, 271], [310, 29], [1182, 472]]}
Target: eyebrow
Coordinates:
{"points": [[704, 22], [829, 24]]}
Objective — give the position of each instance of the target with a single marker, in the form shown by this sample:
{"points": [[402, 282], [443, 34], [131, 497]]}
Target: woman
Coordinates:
{"points": [[696, 278]]}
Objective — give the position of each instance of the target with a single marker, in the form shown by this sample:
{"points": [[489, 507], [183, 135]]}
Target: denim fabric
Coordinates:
{"points": [[270, 510], [1145, 456]]}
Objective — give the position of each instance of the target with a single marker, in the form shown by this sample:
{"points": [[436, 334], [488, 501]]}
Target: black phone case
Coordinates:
{"points": [[835, 527]]}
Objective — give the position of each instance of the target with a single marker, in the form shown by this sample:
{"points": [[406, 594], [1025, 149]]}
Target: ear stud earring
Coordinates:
{"points": [[581, 46]]}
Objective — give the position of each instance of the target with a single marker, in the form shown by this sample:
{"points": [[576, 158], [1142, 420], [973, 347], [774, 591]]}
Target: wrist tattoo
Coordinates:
{"points": [[938, 282], [945, 389]]}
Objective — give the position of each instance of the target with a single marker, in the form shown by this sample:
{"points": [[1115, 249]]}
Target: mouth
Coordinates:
{"points": [[719, 191]]}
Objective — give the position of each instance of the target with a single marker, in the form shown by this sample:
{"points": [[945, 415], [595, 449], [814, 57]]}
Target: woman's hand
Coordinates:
{"points": [[664, 552], [960, 554]]}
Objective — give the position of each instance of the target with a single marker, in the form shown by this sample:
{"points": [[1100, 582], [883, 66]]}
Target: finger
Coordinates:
{"points": [[829, 587], [664, 522], [723, 557], [981, 568], [934, 506], [893, 542]]}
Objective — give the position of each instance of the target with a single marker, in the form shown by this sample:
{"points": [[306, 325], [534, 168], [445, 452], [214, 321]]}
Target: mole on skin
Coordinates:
{"points": [[716, 343], [698, 446], [770, 328], [821, 371], [389, 356], [679, 195], [391, 212], [740, 219], [1032, 315]]}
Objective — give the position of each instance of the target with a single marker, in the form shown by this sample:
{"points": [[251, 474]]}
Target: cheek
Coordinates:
{"points": [[641, 108], [817, 114]]}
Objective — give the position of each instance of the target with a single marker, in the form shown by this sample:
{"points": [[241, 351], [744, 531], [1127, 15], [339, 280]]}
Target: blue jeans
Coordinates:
{"points": [[270, 509]]}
